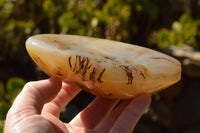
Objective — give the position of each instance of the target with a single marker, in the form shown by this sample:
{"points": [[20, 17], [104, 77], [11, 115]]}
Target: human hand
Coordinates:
{"points": [[37, 108]]}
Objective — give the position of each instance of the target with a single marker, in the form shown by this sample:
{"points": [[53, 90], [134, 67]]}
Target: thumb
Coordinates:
{"points": [[35, 94]]}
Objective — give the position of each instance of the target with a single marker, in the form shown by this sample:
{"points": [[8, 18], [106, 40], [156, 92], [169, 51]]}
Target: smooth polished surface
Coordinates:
{"points": [[103, 67]]}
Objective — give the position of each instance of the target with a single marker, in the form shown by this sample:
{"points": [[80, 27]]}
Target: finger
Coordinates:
{"points": [[131, 115], [109, 121], [94, 113], [66, 94], [35, 94]]}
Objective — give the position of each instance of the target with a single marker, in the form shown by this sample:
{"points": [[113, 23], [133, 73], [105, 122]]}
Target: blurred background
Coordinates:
{"points": [[169, 26]]}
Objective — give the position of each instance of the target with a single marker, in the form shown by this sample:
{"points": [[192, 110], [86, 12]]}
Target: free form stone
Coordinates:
{"points": [[103, 67]]}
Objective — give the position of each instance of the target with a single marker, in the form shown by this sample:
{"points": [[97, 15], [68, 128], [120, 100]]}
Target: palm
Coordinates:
{"points": [[45, 100]]}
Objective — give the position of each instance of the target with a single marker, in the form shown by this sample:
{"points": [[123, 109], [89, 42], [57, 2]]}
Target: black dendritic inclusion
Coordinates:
{"points": [[59, 72], [82, 65], [92, 74], [128, 73], [100, 75], [69, 60]]}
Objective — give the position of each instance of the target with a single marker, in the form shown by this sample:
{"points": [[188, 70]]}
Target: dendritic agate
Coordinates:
{"points": [[103, 67]]}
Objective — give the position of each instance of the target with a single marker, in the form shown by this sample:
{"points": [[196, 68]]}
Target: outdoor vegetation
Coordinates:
{"points": [[155, 24]]}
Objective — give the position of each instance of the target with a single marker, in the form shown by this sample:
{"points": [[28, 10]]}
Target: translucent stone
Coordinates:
{"points": [[103, 67]]}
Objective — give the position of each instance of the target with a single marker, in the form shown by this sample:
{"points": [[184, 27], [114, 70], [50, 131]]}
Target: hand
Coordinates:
{"points": [[37, 108]]}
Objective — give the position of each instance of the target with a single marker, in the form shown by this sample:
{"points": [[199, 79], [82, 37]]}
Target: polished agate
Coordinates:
{"points": [[103, 67]]}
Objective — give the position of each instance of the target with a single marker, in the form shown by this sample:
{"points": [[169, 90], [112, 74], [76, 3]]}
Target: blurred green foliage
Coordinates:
{"points": [[185, 31], [112, 19], [129, 20], [8, 93], [132, 21], [1, 126]]}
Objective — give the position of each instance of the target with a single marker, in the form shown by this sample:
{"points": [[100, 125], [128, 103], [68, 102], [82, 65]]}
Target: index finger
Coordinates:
{"points": [[131, 114], [66, 94]]}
